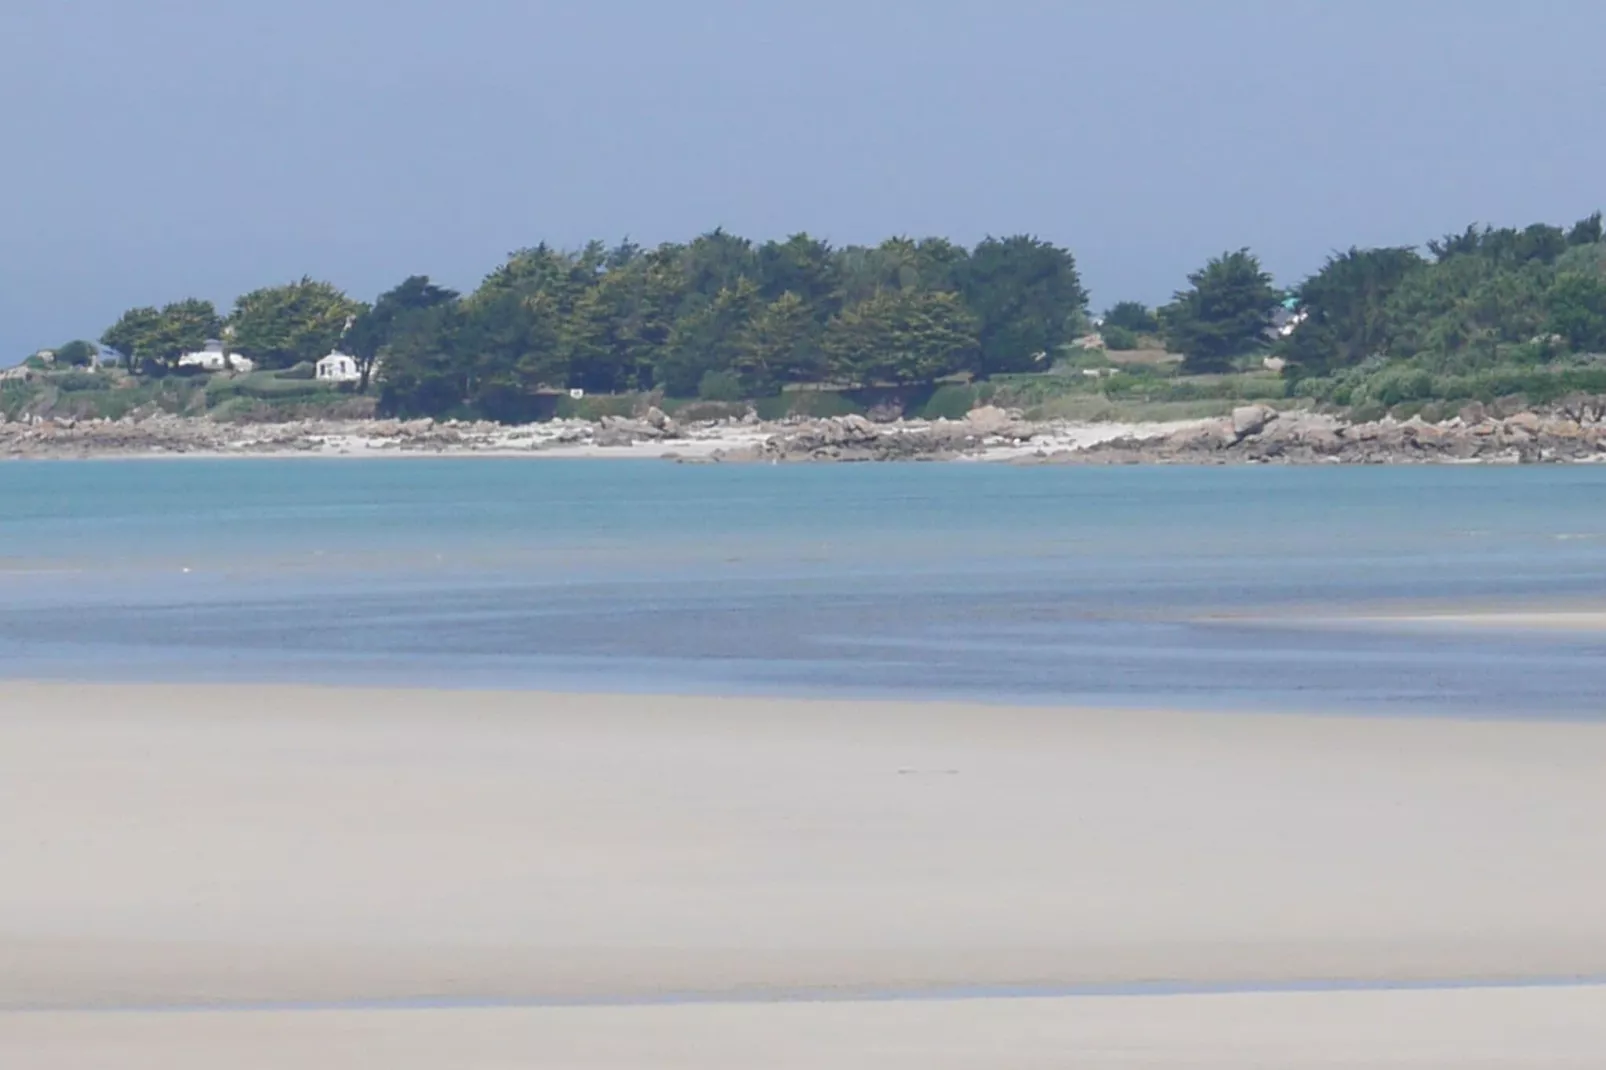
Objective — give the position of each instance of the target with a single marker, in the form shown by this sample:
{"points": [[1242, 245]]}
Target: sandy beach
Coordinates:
{"points": [[261, 876]]}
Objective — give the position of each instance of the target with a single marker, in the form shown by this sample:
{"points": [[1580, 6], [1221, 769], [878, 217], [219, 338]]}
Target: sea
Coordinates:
{"points": [[1254, 588]]}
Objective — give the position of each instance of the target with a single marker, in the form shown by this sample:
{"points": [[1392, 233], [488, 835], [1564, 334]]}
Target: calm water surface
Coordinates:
{"points": [[967, 581]]}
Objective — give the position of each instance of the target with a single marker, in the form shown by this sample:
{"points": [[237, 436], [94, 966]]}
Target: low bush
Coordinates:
{"points": [[1120, 339], [720, 386]]}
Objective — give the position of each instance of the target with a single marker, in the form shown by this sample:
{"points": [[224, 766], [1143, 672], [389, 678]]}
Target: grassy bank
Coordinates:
{"points": [[1088, 387]]}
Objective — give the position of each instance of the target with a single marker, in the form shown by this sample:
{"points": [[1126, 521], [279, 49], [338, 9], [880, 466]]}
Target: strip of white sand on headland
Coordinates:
{"points": [[177, 846]]}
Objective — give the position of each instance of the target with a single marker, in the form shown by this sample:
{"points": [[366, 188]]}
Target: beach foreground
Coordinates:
{"points": [[425, 878]]}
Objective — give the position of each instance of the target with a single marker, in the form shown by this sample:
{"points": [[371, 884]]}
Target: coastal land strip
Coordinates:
{"points": [[261, 875], [1252, 434]]}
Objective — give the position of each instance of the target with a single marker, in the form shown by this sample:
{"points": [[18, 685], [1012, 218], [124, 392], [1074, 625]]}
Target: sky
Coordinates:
{"points": [[174, 148]]}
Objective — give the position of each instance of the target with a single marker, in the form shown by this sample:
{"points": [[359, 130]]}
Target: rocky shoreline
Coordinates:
{"points": [[1573, 431]]}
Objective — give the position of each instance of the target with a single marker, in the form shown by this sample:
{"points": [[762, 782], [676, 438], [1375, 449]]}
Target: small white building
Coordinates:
{"points": [[338, 367], [213, 357]]}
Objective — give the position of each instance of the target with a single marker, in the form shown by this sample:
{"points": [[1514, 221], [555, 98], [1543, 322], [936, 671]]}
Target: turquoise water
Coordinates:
{"points": [[966, 581]]}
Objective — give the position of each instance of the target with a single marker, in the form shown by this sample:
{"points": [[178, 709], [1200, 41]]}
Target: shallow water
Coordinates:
{"points": [[967, 581]]}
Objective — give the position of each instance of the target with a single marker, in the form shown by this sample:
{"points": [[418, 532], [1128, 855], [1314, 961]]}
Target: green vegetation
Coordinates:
{"points": [[1487, 314], [1132, 316], [1223, 314], [722, 324], [720, 318]]}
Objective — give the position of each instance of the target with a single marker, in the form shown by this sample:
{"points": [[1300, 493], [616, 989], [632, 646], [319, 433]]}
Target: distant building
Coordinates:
{"points": [[338, 367], [213, 357]]}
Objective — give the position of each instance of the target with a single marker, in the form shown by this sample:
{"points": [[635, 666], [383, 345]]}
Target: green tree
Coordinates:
{"points": [[181, 327], [425, 372], [1027, 298], [717, 261], [1465, 307], [1576, 306], [708, 337], [1346, 309], [804, 267], [75, 354], [1133, 316], [1587, 231], [376, 327], [1223, 313], [901, 337], [777, 345], [133, 335], [280, 326]]}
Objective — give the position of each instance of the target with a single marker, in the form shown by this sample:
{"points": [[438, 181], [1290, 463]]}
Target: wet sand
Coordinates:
{"points": [[169, 848]]}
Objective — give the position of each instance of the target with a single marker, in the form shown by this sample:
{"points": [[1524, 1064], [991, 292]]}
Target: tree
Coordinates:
{"points": [[133, 335], [1027, 298], [805, 268], [708, 337], [1467, 306], [1587, 231], [1223, 313], [375, 327], [1576, 305], [75, 354], [717, 261], [281, 326], [1133, 316], [181, 327], [424, 371], [1345, 305], [776, 345], [901, 337]]}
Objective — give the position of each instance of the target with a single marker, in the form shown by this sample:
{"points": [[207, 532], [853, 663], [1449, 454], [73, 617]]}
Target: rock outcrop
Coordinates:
{"points": [[1573, 430]]}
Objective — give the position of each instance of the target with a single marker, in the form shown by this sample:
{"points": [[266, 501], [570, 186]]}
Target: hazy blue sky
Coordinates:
{"points": [[155, 149]]}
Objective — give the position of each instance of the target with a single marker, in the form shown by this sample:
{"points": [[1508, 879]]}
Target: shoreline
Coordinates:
{"points": [[1253, 434]]}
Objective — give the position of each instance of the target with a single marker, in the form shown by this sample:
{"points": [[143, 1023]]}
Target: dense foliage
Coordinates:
{"points": [[1223, 313], [1480, 300], [722, 318], [719, 315]]}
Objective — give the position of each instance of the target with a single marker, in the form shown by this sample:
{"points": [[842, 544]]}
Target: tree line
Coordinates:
{"points": [[718, 317], [722, 317]]}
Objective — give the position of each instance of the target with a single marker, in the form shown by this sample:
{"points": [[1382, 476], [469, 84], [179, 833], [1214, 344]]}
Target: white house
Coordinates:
{"points": [[338, 367], [213, 357]]}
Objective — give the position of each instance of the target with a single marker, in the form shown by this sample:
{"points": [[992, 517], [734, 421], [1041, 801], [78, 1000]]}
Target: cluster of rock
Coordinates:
{"points": [[1258, 434], [1571, 431], [857, 438], [169, 434]]}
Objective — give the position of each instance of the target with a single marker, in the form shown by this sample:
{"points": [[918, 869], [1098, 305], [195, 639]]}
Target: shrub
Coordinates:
{"points": [[75, 354], [79, 381], [1119, 338], [720, 386], [951, 401], [305, 370], [1133, 316]]}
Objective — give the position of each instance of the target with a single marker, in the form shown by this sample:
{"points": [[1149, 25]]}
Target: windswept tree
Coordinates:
{"points": [[1346, 309], [374, 329], [1027, 298], [901, 337], [778, 344], [707, 337], [133, 335], [281, 326], [1223, 313], [179, 328]]}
